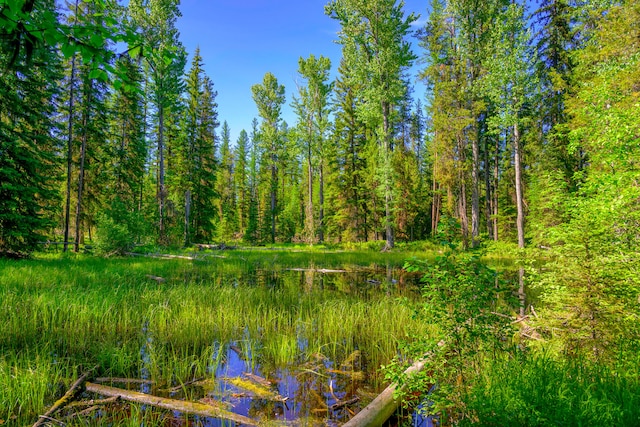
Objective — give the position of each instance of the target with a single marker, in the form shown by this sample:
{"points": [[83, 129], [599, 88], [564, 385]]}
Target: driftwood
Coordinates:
{"points": [[161, 256], [383, 406], [156, 278], [74, 390], [171, 404], [218, 247], [343, 403], [93, 402], [184, 384], [317, 270], [257, 379], [115, 380]]}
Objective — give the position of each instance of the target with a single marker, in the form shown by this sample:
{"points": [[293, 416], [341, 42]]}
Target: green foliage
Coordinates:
{"points": [[118, 229], [591, 286], [28, 26], [28, 146], [374, 46], [269, 97], [540, 390], [468, 304]]}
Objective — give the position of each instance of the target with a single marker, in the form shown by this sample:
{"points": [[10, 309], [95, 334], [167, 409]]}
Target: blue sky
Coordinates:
{"points": [[241, 40]]}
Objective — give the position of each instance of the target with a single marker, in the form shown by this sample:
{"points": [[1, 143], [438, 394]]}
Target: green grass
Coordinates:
{"points": [[63, 314], [537, 390]]}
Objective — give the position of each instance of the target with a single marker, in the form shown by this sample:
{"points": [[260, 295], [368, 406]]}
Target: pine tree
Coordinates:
{"points": [[241, 181], [349, 215], [196, 166], [252, 234], [313, 109], [269, 97], [129, 149], [591, 291], [225, 188], [28, 162], [165, 59]]}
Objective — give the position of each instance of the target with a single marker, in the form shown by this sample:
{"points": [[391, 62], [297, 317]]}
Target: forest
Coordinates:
{"points": [[525, 146]]}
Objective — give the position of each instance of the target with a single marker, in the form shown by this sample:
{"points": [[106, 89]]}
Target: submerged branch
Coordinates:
{"points": [[70, 395], [171, 404]]}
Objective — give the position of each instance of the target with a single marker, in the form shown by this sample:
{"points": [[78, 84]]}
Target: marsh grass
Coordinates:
{"points": [[63, 314], [538, 390]]}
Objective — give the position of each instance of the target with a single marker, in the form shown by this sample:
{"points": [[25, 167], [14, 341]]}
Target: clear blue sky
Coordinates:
{"points": [[241, 40]]}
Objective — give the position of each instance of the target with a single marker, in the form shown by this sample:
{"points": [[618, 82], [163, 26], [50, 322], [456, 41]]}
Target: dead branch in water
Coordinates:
{"points": [[171, 404], [76, 388]]}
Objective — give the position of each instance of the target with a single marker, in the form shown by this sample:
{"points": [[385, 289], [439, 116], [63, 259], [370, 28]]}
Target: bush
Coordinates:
{"points": [[118, 230]]}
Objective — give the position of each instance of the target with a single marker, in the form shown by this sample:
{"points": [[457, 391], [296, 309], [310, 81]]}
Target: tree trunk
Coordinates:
{"points": [[187, 217], [309, 211], [475, 190], [161, 185], [387, 178], [67, 209], [520, 211], [383, 406], [76, 388], [274, 189], [83, 152], [488, 192], [435, 205], [496, 177], [321, 213], [462, 214]]}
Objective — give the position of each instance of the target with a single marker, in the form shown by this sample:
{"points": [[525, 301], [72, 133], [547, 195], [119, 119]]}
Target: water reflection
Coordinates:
{"points": [[315, 391]]}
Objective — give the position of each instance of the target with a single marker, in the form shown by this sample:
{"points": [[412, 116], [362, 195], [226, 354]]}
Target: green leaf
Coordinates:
{"points": [[99, 74], [135, 51], [68, 49], [97, 40]]}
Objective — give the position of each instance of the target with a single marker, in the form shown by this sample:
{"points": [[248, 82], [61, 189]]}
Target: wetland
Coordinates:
{"points": [[281, 337]]}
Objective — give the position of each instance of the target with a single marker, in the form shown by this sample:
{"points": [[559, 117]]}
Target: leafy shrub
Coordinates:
{"points": [[118, 230]]}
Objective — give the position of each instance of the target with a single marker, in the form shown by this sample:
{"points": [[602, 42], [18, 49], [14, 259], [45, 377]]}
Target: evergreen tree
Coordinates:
{"points": [[196, 166], [269, 97], [165, 59], [312, 109], [129, 149], [241, 181], [510, 84], [252, 234], [225, 188], [591, 291], [28, 147]]}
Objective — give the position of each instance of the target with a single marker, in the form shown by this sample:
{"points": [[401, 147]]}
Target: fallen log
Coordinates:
{"points": [[74, 390], [156, 278], [342, 403], [93, 402], [114, 380], [161, 256], [185, 407], [383, 406], [317, 270]]}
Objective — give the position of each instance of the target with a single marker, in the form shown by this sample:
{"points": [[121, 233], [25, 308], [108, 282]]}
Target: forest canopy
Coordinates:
{"points": [[528, 126]]}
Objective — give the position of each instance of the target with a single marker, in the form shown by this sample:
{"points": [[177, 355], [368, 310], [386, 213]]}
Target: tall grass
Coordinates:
{"points": [[537, 390], [63, 314]]}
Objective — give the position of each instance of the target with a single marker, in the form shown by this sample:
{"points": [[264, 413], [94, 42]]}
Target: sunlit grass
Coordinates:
{"points": [[538, 390], [63, 314]]}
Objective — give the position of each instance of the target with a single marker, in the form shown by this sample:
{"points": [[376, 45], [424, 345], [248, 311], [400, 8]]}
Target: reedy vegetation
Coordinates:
{"points": [[66, 313]]}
